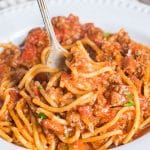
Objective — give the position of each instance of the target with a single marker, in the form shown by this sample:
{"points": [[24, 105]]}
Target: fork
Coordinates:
{"points": [[57, 52]]}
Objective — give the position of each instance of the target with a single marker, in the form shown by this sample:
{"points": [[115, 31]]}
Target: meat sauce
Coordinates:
{"points": [[68, 30], [113, 96]]}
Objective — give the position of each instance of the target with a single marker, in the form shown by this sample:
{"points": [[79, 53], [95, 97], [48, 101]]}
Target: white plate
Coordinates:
{"points": [[110, 15]]}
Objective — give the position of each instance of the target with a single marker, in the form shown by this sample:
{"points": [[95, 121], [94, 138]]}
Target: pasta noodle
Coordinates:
{"points": [[109, 124], [5, 136], [137, 110], [37, 141], [80, 101], [103, 136], [51, 116], [146, 122], [72, 139], [20, 127], [21, 138], [106, 145], [4, 107], [22, 116]]}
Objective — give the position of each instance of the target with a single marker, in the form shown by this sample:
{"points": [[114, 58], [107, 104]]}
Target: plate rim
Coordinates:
{"points": [[130, 4]]}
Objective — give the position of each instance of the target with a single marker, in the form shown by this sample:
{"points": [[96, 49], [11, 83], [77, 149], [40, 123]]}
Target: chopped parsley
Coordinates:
{"points": [[106, 34], [129, 95], [129, 103], [42, 116], [40, 87]]}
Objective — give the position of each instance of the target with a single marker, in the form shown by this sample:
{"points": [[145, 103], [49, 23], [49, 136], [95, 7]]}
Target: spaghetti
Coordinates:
{"points": [[99, 100]]}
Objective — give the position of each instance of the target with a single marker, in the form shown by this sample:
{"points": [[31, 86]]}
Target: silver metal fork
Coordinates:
{"points": [[56, 56]]}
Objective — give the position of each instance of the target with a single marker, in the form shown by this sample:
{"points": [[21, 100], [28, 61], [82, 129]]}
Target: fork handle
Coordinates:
{"points": [[46, 19]]}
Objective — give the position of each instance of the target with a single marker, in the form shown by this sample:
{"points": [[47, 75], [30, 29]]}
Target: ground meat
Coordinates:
{"points": [[54, 126], [18, 73], [55, 94], [4, 69], [85, 111], [80, 146], [68, 30], [73, 118], [117, 99], [110, 49], [144, 103], [129, 64], [140, 52], [26, 109], [10, 56], [93, 33], [139, 72], [62, 146], [10, 63], [115, 79], [105, 113], [14, 95], [116, 94], [124, 40], [34, 44], [10, 60], [142, 56]]}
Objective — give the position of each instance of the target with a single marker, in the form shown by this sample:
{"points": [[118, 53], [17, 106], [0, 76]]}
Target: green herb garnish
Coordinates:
{"points": [[40, 87], [106, 34], [129, 95], [129, 103], [42, 116]]}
